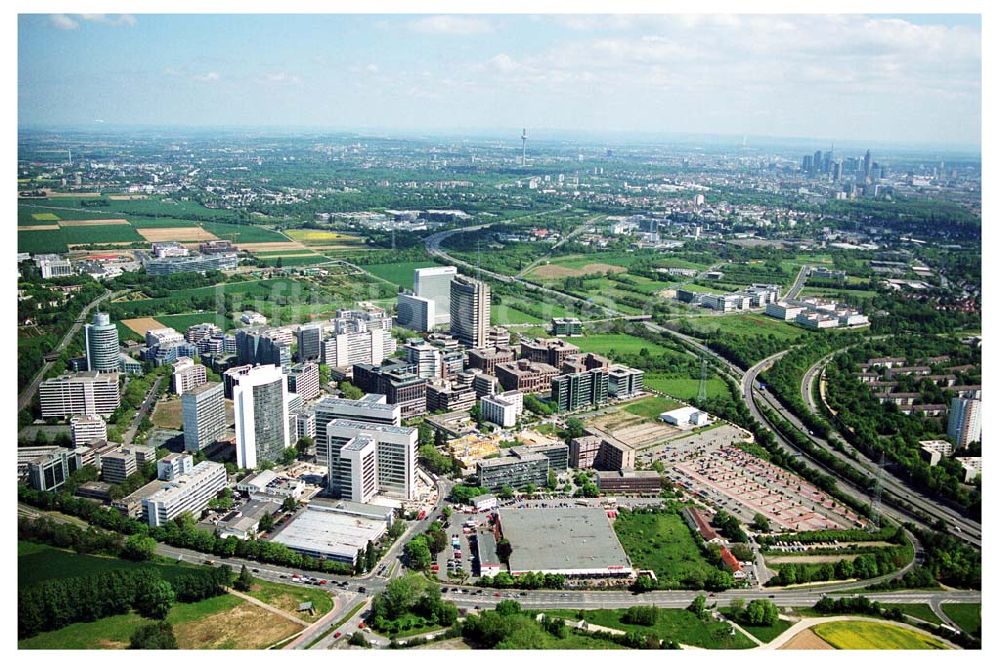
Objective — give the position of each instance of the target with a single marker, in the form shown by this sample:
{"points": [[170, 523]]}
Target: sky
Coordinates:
{"points": [[902, 79]]}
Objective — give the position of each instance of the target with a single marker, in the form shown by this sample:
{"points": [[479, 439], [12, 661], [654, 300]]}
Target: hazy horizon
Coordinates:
{"points": [[848, 79]]}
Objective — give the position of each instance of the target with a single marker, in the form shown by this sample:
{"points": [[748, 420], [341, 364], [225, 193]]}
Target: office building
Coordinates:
{"points": [[624, 382], [550, 351], [203, 411], [434, 284], [556, 452], [526, 376], [398, 382], [964, 424], [357, 472], [305, 424], [485, 384], [194, 263], [629, 482], [189, 492], [446, 396], [567, 327], [309, 338], [44, 468], [173, 466], [470, 311], [395, 459], [303, 380], [415, 313], [498, 337], [84, 393], [101, 343], [187, 375], [202, 331], [84, 429], [512, 471], [503, 409], [330, 533], [260, 347], [425, 357], [599, 452], [580, 390], [364, 346], [487, 359], [55, 267], [117, 466], [259, 403]]}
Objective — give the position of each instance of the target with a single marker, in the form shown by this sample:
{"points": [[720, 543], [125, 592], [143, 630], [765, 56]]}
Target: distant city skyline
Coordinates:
{"points": [[848, 78]]}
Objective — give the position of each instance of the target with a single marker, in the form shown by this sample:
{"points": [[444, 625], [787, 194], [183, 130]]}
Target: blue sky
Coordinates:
{"points": [[912, 79]]}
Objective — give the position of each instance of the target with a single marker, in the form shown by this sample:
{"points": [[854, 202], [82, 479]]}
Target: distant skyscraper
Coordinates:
{"points": [[415, 313], [435, 284], [807, 164], [868, 165], [101, 339], [470, 311], [963, 421], [818, 162], [260, 407]]}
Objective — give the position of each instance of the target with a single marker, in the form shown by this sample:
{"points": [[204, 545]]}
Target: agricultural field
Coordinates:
{"points": [[874, 635], [141, 326], [398, 273], [181, 322], [323, 239], [504, 314], [59, 239], [672, 624], [663, 543], [745, 325], [288, 260], [243, 233], [548, 272]]}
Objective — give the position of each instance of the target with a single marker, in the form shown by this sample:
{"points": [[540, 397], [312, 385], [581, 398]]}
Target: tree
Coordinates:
{"points": [[155, 599], [418, 553], [350, 391], [574, 428], [476, 413], [158, 635], [304, 444], [358, 640], [697, 606], [504, 550], [552, 481], [761, 523], [266, 523], [289, 504], [289, 454], [244, 581], [508, 607], [506, 492], [139, 548], [371, 556], [761, 612]]}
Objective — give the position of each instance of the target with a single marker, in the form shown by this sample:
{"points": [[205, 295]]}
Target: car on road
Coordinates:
{"points": [[255, 570], [362, 589], [336, 635], [496, 595]]}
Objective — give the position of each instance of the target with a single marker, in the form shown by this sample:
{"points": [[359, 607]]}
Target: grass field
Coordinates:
{"points": [[967, 615], [873, 635], [324, 237], [44, 217], [684, 388], [651, 407], [679, 625], [287, 597], [604, 343], [398, 273], [301, 260], [37, 563], [503, 314], [662, 542], [58, 241], [243, 233], [167, 414], [747, 324], [767, 633], [916, 610]]}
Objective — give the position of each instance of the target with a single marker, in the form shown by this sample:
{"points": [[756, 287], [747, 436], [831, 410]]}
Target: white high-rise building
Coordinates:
{"points": [[260, 406], [502, 409], [435, 284], [81, 393], [470, 311], [188, 375], [425, 357], [204, 416], [371, 408], [358, 469], [101, 343], [351, 348], [964, 421], [396, 458], [415, 312]]}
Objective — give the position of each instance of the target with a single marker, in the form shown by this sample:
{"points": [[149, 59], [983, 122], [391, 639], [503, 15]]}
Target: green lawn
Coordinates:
{"points": [[398, 273], [873, 635], [181, 322], [672, 624], [604, 343], [684, 388], [916, 610], [114, 632], [763, 633], [967, 615], [504, 314], [651, 407], [37, 562], [662, 542], [747, 324]]}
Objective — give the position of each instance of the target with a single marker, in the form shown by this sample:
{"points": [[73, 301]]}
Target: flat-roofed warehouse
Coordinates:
{"points": [[326, 534], [576, 542]]}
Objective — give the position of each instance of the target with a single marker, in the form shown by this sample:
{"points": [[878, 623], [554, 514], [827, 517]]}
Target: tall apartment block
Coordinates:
{"points": [[101, 342]]}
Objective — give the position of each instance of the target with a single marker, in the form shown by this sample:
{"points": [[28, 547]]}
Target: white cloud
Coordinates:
{"points": [[371, 68], [451, 25], [207, 77], [281, 78], [119, 19], [63, 22]]}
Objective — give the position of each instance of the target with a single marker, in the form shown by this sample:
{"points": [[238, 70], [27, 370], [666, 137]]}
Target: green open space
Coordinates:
{"points": [[915, 610], [298, 260], [605, 343], [398, 273], [58, 241], [651, 407], [873, 635], [967, 615], [504, 314], [181, 322], [37, 562], [287, 597], [684, 388], [243, 233], [746, 324], [672, 624], [663, 543]]}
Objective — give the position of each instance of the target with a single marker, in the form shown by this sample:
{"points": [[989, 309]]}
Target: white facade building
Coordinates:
{"points": [[435, 284], [260, 407], [502, 409], [187, 493]]}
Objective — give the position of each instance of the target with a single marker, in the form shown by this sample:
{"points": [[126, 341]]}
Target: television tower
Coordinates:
{"points": [[524, 143]]}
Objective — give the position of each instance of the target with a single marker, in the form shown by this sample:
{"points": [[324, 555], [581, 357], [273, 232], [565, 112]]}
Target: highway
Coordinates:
{"points": [[800, 281], [24, 399], [970, 530]]}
